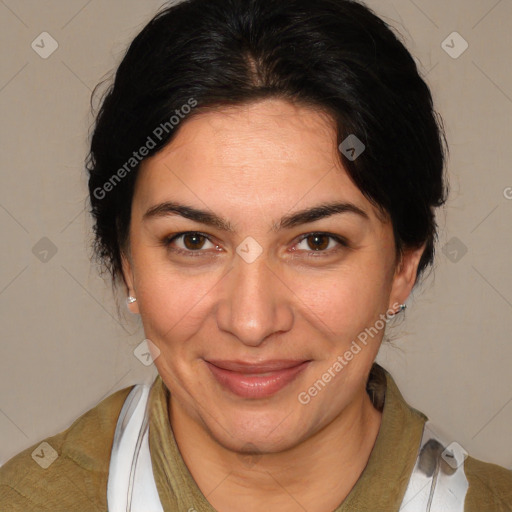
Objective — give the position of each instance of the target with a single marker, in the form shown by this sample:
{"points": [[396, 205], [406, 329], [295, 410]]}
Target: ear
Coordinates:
{"points": [[127, 268], [405, 275]]}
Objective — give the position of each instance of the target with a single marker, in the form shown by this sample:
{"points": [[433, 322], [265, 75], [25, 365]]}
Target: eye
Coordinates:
{"points": [[320, 243], [189, 243]]}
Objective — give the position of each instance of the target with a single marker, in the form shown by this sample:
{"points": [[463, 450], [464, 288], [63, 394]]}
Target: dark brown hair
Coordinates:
{"points": [[335, 55]]}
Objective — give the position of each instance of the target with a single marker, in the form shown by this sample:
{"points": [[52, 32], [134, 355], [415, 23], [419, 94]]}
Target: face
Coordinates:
{"points": [[253, 304]]}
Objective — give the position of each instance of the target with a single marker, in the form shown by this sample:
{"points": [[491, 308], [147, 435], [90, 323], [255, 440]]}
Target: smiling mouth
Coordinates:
{"points": [[262, 380]]}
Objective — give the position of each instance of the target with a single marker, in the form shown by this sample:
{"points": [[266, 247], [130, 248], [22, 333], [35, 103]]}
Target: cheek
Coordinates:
{"points": [[166, 290], [345, 300], [171, 303]]}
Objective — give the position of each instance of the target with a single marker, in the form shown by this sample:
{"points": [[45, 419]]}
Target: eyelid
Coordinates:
{"points": [[341, 241], [337, 238], [169, 239]]}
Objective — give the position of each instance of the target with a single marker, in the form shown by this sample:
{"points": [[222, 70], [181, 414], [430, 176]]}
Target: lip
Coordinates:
{"points": [[256, 380]]}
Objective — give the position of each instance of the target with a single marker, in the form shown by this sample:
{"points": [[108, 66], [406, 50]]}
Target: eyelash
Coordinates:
{"points": [[189, 253]]}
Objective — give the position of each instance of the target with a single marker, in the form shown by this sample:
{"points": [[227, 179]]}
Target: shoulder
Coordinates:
{"points": [[490, 487], [68, 471]]}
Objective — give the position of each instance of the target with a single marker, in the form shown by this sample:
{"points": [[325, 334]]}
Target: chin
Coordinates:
{"points": [[258, 443], [264, 432]]}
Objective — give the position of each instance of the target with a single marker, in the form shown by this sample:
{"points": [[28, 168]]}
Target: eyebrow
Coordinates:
{"points": [[312, 214]]}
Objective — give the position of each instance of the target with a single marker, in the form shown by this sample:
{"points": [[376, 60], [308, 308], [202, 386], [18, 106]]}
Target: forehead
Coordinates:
{"points": [[266, 154]]}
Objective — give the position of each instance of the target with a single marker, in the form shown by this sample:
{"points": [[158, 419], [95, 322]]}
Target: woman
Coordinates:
{"points": [[263, 179]]}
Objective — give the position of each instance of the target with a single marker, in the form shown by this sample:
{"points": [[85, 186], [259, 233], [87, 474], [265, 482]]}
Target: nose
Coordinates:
{"points": [[255, 302]]}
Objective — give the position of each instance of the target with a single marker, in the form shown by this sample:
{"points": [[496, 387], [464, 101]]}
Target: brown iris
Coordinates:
{"points": [[196, 241], [317, 244]]}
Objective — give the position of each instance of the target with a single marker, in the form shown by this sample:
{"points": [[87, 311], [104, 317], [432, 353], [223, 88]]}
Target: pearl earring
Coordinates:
{"points": [[130, 300]]}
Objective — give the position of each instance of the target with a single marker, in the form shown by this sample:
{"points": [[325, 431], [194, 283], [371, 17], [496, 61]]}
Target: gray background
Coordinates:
{"points": [[63, 346]]}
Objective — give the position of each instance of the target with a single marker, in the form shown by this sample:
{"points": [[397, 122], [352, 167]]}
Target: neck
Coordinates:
{"points": [[316, 475]]}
